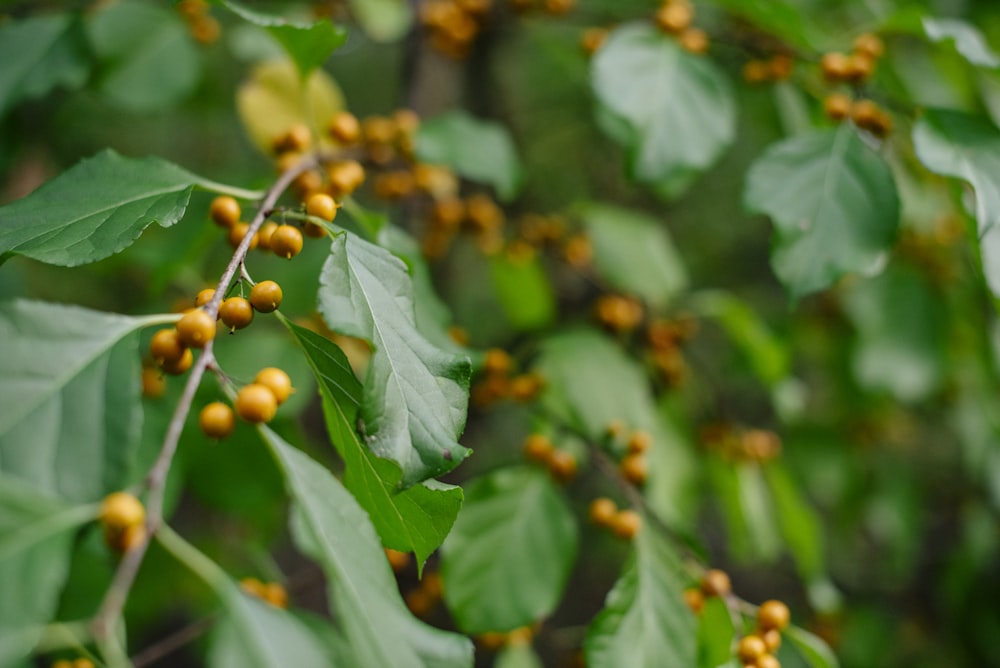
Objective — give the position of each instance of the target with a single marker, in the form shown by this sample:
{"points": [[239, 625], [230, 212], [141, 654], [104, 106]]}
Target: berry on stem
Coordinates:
{"points": [[216, 420], [225, 211], [236, 313], [286, 241], [204, 297], [322, 206], [120, 510], [166, 346], [345, 128], [716, 582], [751, 648], [236, 234], [773, 614], [602, 511], [538, 448], [255, 403], [266, 296], [177, 367], [562, 465], [277, 381], [626, 524], [196, 329]]}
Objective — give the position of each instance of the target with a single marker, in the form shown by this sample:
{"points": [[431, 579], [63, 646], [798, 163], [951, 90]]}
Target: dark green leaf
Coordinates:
{"points": [[715, 634], [35, 549], [69, 387], [39, 54], [510, 554], [383, 20], [95, 209], [413, 520], [329, 526], [967, 147], [148, 58], [415, 394], [634, 253], [834, 206], [308, 44], [969, 41], [678, 107], [799, 522], [901, 341], [779, 18], [645, 622], [816, 652], [481, 151], [524, 291]]}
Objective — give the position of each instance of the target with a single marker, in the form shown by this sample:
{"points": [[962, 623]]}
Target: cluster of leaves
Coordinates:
{"points": [[873, 353]]}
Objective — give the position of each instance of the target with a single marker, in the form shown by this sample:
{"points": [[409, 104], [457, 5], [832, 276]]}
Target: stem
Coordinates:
{"points": [[173, 642], [239, 193], [192, 557], [114, 600]]}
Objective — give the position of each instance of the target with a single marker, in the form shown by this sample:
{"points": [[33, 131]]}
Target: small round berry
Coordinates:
{"points": [[780, 67], [694, 599], [626, 524], [767, 661], [674, 17], [264, 234], [286, 241], [266, 296], [277, 381], [345, 176], [716, 582], [322, 206], [125, 539], [634, 469], [225, 211], [252, 586], [236, 234], [312, 230], [204, 297], [751, 648], [256, 403], [592, 39], [773, 615], [236, 312], [562, 465], [694, 40], [153, 384], [859, 68], [837, 106], [432, 584], [525, 387], [639, 442], [196, 329], [772, 639], [419, 602], [345, 128], [756, 71], [205, 30], [297, 138], [538, 447], [217, 420], [497, 361], [870, 45], [835, 66], [602, 511], [275, 594], [397, 560], [120, 510], [177, 367], [166, 346]]}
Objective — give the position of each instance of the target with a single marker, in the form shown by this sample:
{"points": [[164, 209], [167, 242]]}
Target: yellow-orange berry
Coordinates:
{"points": [[835, 66], [602, 510], [562, 465], [204, 297], [206, 29], [538, 447], [694, 599], [237, 233], [674, 17], [751, 648], [525, 387], [639, 442], [837, 106], [322, 206], [496, 361], [345, 128], [120, 510], [153, 384], [345, 176], [859, 67], [773, 615], [626, 524], [767, 661], [397, 560], [772, 639], [225, 211], [255, 403], [592, 39], [296, 138], [264, 234], [780, 67], [177, 367], [716, 582], [634, 468], [166, 346], [870, 45], [277, 381], [275, 594], [286, 241], [236, 312], [266, 296], [694, 40], [217, 420], [195, 329], [756, 71]]}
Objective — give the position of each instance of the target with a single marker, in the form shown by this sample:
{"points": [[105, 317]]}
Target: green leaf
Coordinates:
{"points": [[415, 394], [967, 147], [39, 54], [148, 59], [590, 383], [382, 20], [645, 622], [95, 209], [509, 556], [481, 151], [524, 291], [518, 656], [308, 44], [834, 206], [715, 634], [901, 342], [816, 653], [778, 18], [413, 520], [329, 526], [969, 41], [758, 511], [799, 522], [634, 253], [678, 108], [69, 387], [35, 550]]}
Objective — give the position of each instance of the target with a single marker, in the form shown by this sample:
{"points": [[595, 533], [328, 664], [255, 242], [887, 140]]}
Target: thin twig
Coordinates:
{"points": [[111, 607], [173, 642]]}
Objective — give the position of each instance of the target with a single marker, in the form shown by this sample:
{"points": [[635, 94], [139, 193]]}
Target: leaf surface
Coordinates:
{"points": [[968, 39]]}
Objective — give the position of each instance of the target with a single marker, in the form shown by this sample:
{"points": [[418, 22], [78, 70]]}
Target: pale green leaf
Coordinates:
{"points": [[39, 54], [524, 291], [799, 521], [415, 394], [329, 526], [834, 205], [715, 634], [967, 147], [968, 39], [816, 653], [481, 151], [633, 252], [509, 556], [70, 391], [148, 59], [645, 622], [677, 108], [383, 20], [416, 519], [95, 209], [518, 656]]}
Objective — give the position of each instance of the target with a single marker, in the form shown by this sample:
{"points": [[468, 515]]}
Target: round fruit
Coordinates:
{"points": [[773, 615], [639, 442], [346, 176], [166, 346], [236, 234], [264, 234], [767, 661], [275, 594], [716, 583], [837, 106], [225, 211], [120, 510], [694, 599], [286, 241], [204, 297], [538, 447], [297, 138], [322, 206], [496, 361], [772, 639], [277, 381], [236, 312], [153, 384], [674, 17], [592, 39], [345, 128], [175, 368], [756, 71], [626, 524], [217, 420], [602, 511], [256, 403], [869, 45], [694, 40], [634, 469], [562, 465], [266, 296], [196, 329], [835, 66], [751, 648], [859, 67], [125, 539], [397, 560]]}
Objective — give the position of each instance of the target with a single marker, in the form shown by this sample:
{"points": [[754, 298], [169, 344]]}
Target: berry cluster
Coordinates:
{"points": [[674, 17], [624, 523], [855, 69], [740, 443], [82, 662], [498, 383], [561, 464], [666, 339], [203, 26], [454, 24], [495, 640], [778, 67]]}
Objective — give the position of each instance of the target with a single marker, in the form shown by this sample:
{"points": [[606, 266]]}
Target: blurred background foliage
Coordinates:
{"points": [[878, 520]]}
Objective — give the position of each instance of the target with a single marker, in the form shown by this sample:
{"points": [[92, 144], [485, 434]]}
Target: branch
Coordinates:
{"points": [[111, 607]]}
